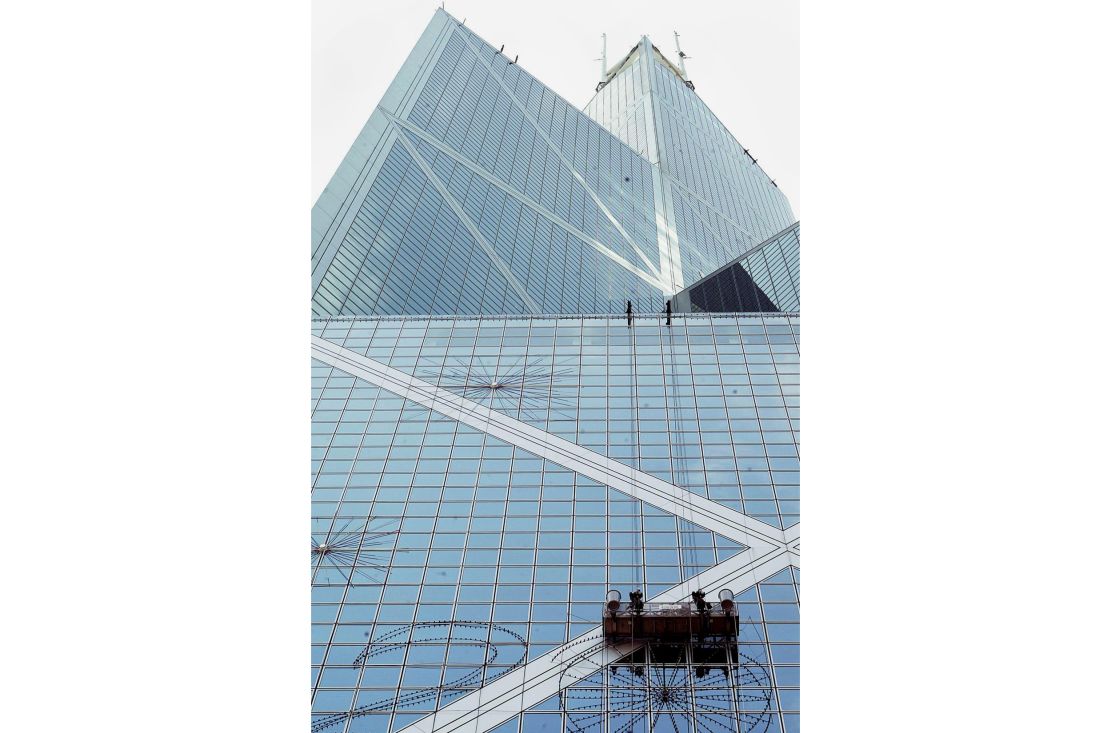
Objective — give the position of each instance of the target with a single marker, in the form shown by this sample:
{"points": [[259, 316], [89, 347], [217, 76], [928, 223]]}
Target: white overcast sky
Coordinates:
{"points": [[743, 58]]}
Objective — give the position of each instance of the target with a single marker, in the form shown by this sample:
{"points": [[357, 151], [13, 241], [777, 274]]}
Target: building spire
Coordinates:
{"points": [[604, 67], [604, 60], [681, 58]]}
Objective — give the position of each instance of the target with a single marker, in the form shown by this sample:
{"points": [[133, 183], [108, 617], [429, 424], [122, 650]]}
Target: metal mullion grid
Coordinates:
{"points": [[758, 267], [694, 392], [487, 81], [630, 399], [544, 136], [471, 189], [639, 544], [794, 257], [404, 664], [736, 688], [548, 363], [498, 367], [683, 543], [778, 385], [778, 381], [347, 486], [728, 413], [617, 319], [425, 253], [758, 422], [388, 168], [334, 520], [425, 103], [485, 207], [780, 272], [504, 222], [726, 206], [798, 593], [785, 286], [406, 260], [693, 545], [691, 688], [502, 163], [501, 545], [410, 167], [770, 215], [456, 81], [540, 144], [633, 384], [458, 223], [424, 575], [674, 448], [576, 410], [443, 233], [784, 272], [529, 221], [723, 251], [389, 448], [524, 141], [777, 710], [341, 284], [709, 123], [466, 547], [477, 483], [338, 503]]}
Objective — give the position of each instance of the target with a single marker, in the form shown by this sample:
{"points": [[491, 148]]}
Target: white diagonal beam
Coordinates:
{"points": [[639, 485], [523, 200], [566, 163], [494, 258], [670, 253], [360, 166]]}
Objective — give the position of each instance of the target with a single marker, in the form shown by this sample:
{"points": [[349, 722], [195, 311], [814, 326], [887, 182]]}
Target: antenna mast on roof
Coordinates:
{"points": [[604, 66], [681, 58], [682, 62]]}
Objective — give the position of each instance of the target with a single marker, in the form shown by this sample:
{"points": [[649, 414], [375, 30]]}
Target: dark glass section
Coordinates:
{"points": [[730, 290], [765, 280]]}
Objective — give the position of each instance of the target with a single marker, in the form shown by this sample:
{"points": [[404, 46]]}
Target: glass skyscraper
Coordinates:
{"points": [[497, 443]]}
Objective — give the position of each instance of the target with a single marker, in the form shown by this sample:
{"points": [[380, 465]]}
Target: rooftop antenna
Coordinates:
{"points": [[682, 61], [681, 58], [604, 58], [604, 66]]}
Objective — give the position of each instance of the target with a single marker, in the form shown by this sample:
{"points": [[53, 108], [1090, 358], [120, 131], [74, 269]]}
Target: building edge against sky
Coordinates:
{"points": [[484, 471], [651, 225]]}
